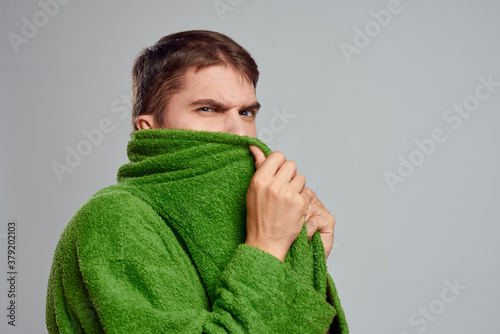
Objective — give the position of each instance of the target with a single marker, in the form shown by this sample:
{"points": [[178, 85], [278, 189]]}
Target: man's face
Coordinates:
{"points": [[216, 98]]}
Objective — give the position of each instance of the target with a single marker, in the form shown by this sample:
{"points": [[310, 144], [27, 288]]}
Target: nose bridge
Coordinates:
{"points": [[235, 123]]}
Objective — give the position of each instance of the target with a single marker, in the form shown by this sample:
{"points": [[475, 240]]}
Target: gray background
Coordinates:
{"points": [[352, 120]]}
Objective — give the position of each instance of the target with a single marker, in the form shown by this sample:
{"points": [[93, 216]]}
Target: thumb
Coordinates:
{"points": [[258, 154]]}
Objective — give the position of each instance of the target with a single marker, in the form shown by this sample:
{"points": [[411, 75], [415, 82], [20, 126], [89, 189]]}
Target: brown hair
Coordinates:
{"points": [[159, 70]]}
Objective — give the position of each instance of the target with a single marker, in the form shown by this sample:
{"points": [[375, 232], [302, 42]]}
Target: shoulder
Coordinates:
{"points": [[114, 203], [114, 224], [111, 214]]}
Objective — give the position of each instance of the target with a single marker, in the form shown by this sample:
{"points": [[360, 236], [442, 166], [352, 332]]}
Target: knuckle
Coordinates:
{"points": [[274, 190], [300, 177], [300, 201], [312, 223], [277, 154], [288, 195], [257, 182]]}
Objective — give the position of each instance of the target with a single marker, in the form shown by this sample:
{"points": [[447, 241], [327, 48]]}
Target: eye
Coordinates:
{"points": [[247, 113], [206, 109]]}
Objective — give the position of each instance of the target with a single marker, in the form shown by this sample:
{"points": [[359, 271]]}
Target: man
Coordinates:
{"points": [[197, 236]]}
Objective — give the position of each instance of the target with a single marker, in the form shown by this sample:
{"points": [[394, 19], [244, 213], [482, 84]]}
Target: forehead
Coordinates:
{"points": [[222, 82]]}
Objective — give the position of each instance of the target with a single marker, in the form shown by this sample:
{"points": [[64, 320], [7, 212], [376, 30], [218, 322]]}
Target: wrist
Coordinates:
{"points": [[277, 252]]}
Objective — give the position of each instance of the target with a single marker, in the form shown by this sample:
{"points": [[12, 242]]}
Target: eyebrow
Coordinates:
{"points": [[219, 105]]}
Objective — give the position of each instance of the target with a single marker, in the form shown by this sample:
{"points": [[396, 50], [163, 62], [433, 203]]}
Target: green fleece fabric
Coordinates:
{"points": [[163, 251]]}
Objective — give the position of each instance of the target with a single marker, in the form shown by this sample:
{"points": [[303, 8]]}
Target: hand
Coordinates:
{"points": [[319, 219], [276, 204]]}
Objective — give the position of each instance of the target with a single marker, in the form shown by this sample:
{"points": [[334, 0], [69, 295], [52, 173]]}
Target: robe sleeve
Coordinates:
{"points": [[118, 268]]}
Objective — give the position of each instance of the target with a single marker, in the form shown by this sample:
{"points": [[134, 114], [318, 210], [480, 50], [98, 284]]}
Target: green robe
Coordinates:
{"points": [[163, 251]]}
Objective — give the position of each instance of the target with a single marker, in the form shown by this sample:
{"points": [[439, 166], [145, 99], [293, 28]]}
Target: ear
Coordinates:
{"points": [[145, 122]]}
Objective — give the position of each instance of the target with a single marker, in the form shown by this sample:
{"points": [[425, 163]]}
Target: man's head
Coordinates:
{"points": [[198, 80]]}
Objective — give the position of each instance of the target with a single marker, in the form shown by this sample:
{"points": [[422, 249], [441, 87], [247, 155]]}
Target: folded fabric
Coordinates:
{"points": [[163, 251]]}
